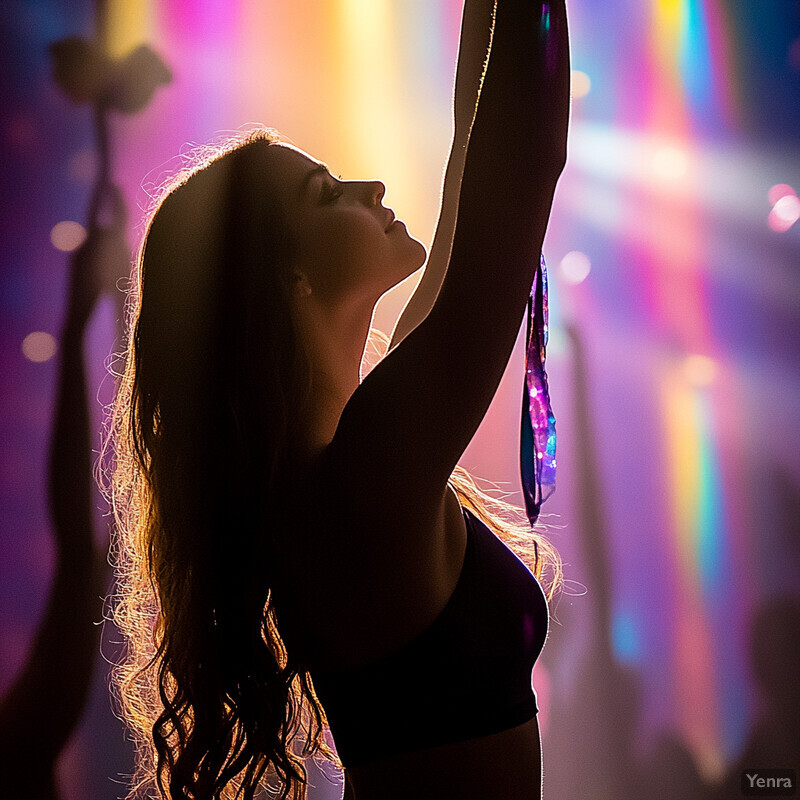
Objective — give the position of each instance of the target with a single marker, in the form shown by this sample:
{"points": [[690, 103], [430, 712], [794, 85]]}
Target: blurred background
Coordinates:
{"points": [[674, 256]]}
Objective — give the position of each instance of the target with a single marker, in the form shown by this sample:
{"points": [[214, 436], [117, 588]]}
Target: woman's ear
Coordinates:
{"points": [[300, 286]]}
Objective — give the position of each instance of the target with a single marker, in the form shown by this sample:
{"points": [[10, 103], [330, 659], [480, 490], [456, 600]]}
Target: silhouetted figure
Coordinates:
{"points": [[44, 703], [774, 741], [296, 545]]}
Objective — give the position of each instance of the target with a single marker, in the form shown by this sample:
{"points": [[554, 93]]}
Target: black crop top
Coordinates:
{"points": [[467, 675]]}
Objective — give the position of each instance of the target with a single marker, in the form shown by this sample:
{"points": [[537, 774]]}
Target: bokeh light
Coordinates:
{"points": [[778, 191], [39, 346], [67, 235], [700, 370], [788, 209], [581, 84], [778, 223], [574, 268]]}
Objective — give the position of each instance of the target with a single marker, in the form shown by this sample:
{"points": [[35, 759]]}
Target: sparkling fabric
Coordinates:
{"points": [[538, 430]]}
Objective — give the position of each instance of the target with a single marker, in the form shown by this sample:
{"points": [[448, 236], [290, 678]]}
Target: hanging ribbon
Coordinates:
{"points": [[538, 430]]}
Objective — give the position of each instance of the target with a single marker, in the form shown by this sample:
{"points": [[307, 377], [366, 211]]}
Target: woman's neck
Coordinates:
{"points": [[334, 341]]}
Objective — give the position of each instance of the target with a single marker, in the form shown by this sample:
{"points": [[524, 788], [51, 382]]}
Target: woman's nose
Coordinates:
{"points": [[374, 191]]}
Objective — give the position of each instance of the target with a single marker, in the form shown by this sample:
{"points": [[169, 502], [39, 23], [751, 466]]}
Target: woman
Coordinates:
{"points": [[289, 537]]}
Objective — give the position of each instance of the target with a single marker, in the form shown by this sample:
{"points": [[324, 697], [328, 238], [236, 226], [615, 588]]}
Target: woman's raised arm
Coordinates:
{"points": [[473, 50], [408, 423]]}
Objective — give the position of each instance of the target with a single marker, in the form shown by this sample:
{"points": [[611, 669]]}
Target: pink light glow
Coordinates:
{"points": [[778, 191], [788, 208], [776, 223], [784, 214]]}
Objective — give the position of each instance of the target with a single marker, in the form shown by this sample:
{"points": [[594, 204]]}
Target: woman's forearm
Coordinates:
{"points": [[518, 139], [473, 55], [516, 153]]}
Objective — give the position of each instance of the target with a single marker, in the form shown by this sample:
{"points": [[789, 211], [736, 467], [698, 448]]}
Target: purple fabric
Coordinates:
{"points": [[538, 430]]}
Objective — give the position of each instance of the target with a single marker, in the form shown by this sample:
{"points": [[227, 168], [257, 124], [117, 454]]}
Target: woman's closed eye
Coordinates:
{"points": [[331, 191]]}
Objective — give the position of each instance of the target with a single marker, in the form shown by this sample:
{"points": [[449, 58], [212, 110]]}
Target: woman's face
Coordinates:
{"points": [[347, 244]]}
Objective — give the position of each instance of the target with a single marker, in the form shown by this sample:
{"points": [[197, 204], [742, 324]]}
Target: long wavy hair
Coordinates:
{"points": [[201, 445]]}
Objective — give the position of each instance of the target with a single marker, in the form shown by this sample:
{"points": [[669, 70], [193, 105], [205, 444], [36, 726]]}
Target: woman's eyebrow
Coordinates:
{"points": [[320, 168]]}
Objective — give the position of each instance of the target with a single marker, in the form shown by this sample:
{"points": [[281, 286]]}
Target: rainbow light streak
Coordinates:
{"points": [[710, 545], [719, 45], [695, 687], [675, 292], [704, 60], [666, 93], [694, 55], [719, 587], [682, 71]]}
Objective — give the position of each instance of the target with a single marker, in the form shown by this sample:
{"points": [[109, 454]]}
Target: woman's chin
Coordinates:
{"points": [[422, 254]]}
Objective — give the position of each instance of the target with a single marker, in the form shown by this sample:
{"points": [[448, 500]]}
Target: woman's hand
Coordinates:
{"points": [[523, 114]]}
